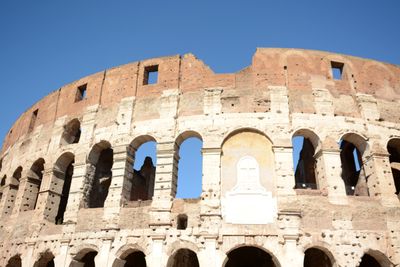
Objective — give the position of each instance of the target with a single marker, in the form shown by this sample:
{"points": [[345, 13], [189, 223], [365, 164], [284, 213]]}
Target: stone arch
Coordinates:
{"points": [[393, 148], [59, 186], [32, 186], [177, 181], [183, 257], [354, 150], [374, 258], [239, 189], [14, 261], [45, 259], [306, 145], [251, 255], [182, 244], [130, 255], [98, 175], [84, 254], [13, 188], [318, 256], [228, 135], [72, 132], [144, 177]]}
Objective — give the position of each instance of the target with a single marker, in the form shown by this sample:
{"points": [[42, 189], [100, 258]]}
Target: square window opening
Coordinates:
{"points": [[337, 70], [150, 75], [81, 93]]}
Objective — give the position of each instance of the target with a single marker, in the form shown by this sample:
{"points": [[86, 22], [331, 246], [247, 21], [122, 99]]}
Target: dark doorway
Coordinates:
{"points": [[316, 258], [249, 257]]}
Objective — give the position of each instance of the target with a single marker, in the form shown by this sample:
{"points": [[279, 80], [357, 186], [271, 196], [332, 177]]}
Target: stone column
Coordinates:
{"points": [[76, 191], [101, 259], [380, 179], [285, 180], [121, 184], [27, 259], [332, 173], [61, 258], [48, 198], [23, 183], [157, 257], [210, 206], [289, 222], [208, 256], [165, 184], [8, 199]]}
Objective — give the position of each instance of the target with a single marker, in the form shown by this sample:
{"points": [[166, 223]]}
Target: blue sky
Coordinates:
{"points": [[46, 44]]}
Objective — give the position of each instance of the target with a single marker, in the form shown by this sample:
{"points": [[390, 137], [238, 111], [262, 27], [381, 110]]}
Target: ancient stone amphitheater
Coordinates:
{"points": [[70, 196]]}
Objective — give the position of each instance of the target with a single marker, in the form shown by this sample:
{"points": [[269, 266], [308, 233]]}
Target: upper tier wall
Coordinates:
{"points": [[300, 71]]}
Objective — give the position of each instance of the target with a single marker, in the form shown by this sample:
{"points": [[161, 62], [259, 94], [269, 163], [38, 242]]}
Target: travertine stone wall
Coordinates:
{"points": [[282, 94]]}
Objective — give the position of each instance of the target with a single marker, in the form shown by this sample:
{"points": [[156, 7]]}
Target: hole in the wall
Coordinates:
{"points": [[150, 75], [72, 132], [3, 180], [393, 148], [81, 93], [182, 222], [304, 163], [189, 183], [1, 164], [337, 70], [144, 170], [353, 174]]}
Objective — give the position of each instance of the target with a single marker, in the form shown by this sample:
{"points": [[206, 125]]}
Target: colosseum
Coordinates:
{"points": [[70, 196]]}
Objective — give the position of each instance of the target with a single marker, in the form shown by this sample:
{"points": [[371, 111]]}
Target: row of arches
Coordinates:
{"points": [[244, 256], [354, 150]]}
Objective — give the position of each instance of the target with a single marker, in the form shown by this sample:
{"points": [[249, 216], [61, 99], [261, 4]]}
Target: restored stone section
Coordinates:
{"points": [[70, 195]]}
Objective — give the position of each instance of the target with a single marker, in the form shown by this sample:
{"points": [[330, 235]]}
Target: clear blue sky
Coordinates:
{"points": [[46, 44]]}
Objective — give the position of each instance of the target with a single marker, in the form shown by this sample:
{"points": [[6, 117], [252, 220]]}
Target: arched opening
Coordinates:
{"points": [[3, 180], [13, 190], [34, 181], [183, 258], [1, 164], [249, 257], [393, 148], [72, 132], [314, 257], [304, 145], [61, 184], [45, 260], [84, 258], [352, 148], [247, 177], [143, 153], [99, 175], [131, 258], [189, 172], [369, 261], [14, 261]]}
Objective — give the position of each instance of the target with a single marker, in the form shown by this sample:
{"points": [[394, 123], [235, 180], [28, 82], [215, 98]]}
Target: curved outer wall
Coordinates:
{"points": [[281, 92]]}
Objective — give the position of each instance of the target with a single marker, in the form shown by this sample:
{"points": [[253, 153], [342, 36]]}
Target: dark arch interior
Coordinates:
{"points": [[135, 259], [46, 260], [65, 192], [394, 158], [316, 258], [88, 259], [305, 169], [249, 257], [14, 262], [100, 179], [183, 258], [369, 261], [352, 173]]}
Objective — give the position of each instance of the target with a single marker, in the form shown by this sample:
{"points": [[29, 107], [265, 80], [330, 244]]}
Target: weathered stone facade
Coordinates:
{"points": [[70, 196]]}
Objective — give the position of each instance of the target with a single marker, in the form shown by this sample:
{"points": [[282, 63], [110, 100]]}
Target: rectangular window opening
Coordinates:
{"points": [[33, 120], [81, 93], [337, 70], [150, 75]]}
